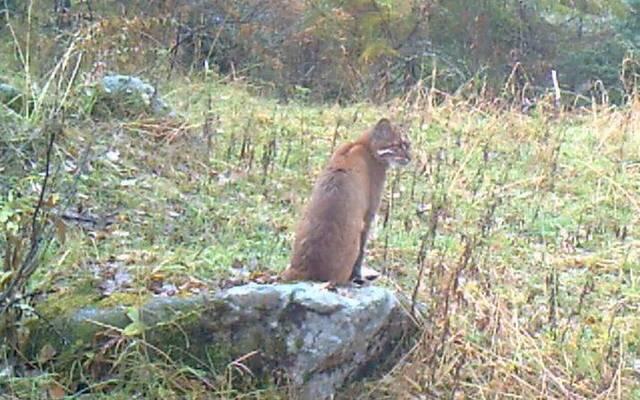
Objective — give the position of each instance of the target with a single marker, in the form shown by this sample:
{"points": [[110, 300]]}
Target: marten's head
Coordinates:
{"points": [[388, 145]]}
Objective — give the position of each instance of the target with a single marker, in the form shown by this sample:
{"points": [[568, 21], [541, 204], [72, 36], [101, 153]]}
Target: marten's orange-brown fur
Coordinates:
{"points": [[331, 237]]}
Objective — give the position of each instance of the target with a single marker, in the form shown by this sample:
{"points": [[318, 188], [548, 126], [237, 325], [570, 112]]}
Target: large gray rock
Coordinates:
{"points": [[125, 95], [318, 338], [327, 336]]}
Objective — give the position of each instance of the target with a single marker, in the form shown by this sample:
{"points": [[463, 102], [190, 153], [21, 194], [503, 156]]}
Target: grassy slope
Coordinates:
{"points": [[530, 278]]}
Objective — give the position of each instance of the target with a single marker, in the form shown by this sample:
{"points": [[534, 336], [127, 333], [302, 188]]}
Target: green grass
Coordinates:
{"points": [[530, 278]]}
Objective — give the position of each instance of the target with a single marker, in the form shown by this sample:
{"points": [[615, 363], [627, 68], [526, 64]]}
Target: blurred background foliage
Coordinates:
{"points": [[331, 50]]}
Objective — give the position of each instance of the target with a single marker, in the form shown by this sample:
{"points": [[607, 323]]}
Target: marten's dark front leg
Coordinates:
{"points": [[356, 272]]}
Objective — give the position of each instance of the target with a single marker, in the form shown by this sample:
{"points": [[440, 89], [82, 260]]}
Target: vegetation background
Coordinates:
{"points": [[517, 225]]}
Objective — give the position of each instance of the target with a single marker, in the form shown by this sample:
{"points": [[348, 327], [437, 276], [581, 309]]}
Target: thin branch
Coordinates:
{"points": [[36, 212], [27, 267]]}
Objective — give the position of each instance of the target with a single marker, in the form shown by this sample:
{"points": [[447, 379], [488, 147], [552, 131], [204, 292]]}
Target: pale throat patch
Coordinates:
{"points": [[395, 163]]}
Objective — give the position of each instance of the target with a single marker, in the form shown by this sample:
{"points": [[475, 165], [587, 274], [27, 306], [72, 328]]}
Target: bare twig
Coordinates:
{"points": [[29, 263], [427, 240]]}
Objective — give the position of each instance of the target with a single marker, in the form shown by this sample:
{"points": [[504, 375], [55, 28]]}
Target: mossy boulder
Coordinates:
{"points": [[125, 96], [318, 338]]}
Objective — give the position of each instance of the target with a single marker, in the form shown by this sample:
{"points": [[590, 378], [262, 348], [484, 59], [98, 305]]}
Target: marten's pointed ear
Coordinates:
{"points": [[382, 130]]}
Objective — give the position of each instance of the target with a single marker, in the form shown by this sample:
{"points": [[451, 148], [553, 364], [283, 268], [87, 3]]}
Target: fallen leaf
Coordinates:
{"points": [[97, 235], [157, 276], [46, 354], [229, 283], [261, 277], [56, 391]]}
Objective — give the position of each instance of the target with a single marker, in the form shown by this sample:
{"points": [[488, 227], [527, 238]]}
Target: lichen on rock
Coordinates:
{"points": [[127, 96], [320, 339]]}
